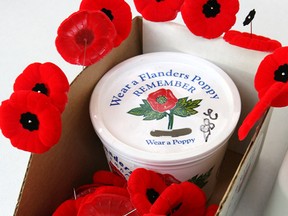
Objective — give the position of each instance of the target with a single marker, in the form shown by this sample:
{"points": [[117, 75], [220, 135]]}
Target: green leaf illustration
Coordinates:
{"points": [[147, 112], [185, 107], [201, 180]]}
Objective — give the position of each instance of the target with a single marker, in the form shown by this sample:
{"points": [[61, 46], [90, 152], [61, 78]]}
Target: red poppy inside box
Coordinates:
{"points": [[52, 176]]}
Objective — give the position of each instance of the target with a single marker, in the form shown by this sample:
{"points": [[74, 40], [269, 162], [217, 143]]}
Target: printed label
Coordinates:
{"points": [[161, 103]]}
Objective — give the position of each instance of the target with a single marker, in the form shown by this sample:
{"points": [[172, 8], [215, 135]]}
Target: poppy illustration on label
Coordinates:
{"points": [[163, 103]]}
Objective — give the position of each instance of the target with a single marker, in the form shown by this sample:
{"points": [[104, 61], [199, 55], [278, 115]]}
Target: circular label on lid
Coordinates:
{"points": [[165, 107]]}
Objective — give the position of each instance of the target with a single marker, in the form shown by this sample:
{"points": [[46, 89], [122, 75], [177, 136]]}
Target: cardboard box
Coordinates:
{"points": [[51, 177]]}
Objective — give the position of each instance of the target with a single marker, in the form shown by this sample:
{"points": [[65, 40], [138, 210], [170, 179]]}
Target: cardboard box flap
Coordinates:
{"points": [[237, 184], [51, 176]]}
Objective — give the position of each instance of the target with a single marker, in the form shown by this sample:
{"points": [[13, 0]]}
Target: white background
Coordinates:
{"points": [[27, 34]]}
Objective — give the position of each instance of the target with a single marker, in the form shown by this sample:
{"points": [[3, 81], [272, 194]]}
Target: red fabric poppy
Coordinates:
{"points": [[118, 11], [85, 37], [209, 18], [104, 177], [47, 79], [158, 10], [251, 41], [273, 68], [271, 83], [162, 100], [180, 199], [30, 121], [144, 187]]}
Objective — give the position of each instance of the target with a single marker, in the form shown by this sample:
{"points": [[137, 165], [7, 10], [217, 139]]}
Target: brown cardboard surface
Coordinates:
{"points": [[51, 177]]}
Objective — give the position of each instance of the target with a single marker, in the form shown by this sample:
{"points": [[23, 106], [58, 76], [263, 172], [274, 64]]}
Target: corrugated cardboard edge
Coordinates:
{"points": [[69, 164], [245, 167]]}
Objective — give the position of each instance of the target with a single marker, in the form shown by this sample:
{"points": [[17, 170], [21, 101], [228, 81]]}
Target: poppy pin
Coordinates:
{"points": [[271, 84], [46, 78], [30, 121], [85, 37], [209, 18], [249, 40]]}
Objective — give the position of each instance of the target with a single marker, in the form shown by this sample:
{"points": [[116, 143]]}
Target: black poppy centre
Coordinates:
{"points": [[152, 195], [281, 74], [84, 37], [108, 13], [211, 8], [29, 121], [159, 0], [40, 88]]}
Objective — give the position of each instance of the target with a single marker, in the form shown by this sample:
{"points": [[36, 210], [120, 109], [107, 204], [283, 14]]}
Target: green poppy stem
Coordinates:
{"points": [[171, 120]]}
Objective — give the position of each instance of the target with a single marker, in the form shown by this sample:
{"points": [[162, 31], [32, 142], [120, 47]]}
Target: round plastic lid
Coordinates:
{"points": [[165, 107]]}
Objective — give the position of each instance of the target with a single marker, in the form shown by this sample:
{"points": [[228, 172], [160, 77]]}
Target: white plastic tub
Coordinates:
{"points": [[168, 112]]}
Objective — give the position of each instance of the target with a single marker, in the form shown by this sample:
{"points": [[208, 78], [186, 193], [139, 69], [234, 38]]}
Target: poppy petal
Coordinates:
{"points": [[144, 187], [180, 199], [158, 10], [105, 177], [85, 37], [118, 11], [251, 41], [69, 207]]}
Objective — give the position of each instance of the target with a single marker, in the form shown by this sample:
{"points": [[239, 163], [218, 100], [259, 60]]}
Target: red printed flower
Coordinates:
{"points": [[85, 37], [47, 79], [162, 100], [209, 18], [30, 121], [158, 10], [251, 41], [118, 11], [144, 187], [180, 199]]}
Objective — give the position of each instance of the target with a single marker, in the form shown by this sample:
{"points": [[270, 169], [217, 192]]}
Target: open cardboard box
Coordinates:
{"points": [[51, 177]]}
